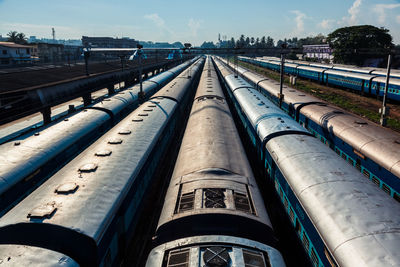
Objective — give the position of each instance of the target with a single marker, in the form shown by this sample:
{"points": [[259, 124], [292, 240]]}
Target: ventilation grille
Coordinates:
{"points": [[178, 258], [216, 257], [214, 198], [253, 259]]}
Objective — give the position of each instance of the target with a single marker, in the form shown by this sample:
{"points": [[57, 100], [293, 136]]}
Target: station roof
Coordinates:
{"points": [[13, 45]]}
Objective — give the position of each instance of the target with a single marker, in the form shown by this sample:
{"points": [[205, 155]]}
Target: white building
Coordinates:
{"points": [[320, 51], [12, 53]]}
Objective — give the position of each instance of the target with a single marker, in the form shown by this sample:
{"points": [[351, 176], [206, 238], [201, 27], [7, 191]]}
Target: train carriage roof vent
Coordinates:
{"points": [[67, 188], [216, 257], [397, 141], [253, 259], [151, 106], [17, 143], [143, 114], [137, 120], [214, 198], [337, 112], [125, 132], [178, 258], [302, 95], [361, 122], [36, 134], [103, 153], [115, 141], [148, 109], [107, 99], [45, 211], [89, 167]]}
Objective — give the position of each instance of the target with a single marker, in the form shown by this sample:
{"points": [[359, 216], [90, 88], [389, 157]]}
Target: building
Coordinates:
{"points": [[3, 39], [320, 52], [108, 42], [12, 53], [48, 53]]}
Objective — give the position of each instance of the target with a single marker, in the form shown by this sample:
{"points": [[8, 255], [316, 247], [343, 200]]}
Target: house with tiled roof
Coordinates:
{"points": [[12, 53]]}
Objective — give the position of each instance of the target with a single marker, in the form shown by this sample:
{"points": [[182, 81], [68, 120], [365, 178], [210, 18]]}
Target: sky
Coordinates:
{"points": [[194, 21]]}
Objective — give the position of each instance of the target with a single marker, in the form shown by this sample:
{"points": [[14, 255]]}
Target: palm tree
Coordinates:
{"points": [[21, 38], [12, 36], [15, 37]]}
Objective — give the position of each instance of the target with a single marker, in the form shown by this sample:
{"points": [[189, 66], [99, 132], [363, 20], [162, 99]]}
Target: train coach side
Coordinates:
{"points": [[374, 151], [339, 216], [28, 160], [213, 204], [92, 204]]}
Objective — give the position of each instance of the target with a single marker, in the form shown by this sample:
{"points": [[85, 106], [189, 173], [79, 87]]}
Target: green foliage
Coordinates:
{"points": [[355, 44], [15, 37], [208, 45]]}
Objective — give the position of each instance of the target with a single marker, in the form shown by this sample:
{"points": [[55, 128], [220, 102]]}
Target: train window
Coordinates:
{"points": [[178, 258], [285, 202], [291, 214], [386, 188], [314, 257], [396, 196], [306, 242], [329, 257], [337, 150], [253, 259], [214, 198], [376, 181], [350, 161], [298, 226], [281, 192], [184, 202], [358, 164], [365, 172], [344, 156]]}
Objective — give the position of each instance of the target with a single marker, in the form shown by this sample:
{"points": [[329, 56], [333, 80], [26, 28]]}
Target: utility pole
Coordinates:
{"points": [[139, 51], [281, 95], [385, 110], [86, 55]]}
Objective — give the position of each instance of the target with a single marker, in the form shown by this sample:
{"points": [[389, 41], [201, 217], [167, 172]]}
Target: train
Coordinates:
{"points": [[364, 83], [86, 213], [340, 217], [29, 159], [371, 149], [213, 212], [349, 68]]}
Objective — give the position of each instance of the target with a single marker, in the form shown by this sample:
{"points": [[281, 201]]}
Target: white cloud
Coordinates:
{"points": [[156, 19], [299, 19], [326, 24], [194, 26], [160, 23], [380, 9], [353, 11]]}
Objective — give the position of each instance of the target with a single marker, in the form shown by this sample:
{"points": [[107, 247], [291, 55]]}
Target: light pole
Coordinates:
{"points": [[281, 95], [385, 110], [139, 52]]}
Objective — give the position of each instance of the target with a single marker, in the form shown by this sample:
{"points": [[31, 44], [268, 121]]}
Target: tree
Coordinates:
{"points": [[355, 44], [15, 37], [208, 45]]}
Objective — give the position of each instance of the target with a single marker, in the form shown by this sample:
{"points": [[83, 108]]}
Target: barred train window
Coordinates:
{"points": [[178, 258], [253, 259]]}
